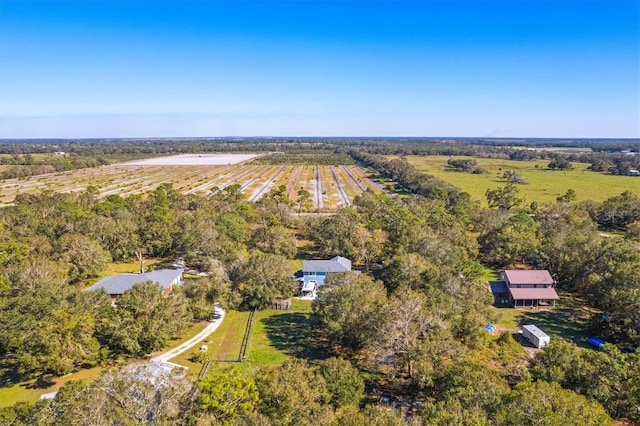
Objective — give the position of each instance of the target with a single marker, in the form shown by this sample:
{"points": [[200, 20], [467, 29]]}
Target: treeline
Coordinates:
{"points": [[410, 324], [422, 321], [52, 245], [411, 179], [309, 157], [618, 164], [605, 155], [26, 165], [328, 394]]}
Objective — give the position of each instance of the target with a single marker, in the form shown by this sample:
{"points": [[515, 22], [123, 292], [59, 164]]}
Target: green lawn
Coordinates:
{"points": [[223, 344], [543, 185], [131, 267], [28, 392], [569, 319], [296, 265], [490, 274], [194, 329], [277, 335]]}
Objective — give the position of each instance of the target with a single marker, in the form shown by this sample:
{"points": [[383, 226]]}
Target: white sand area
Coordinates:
{"points": [[194, 160]]}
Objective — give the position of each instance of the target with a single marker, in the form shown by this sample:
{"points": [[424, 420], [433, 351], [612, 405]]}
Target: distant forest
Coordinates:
{"points": [[615, 156]]}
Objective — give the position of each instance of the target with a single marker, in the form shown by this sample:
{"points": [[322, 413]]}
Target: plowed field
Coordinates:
{"points": [[331, 187]]}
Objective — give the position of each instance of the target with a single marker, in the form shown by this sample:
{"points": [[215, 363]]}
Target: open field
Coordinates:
{"points": [[569, 319], [277, 335], [29, 392], [543, 185], [331, 186]]}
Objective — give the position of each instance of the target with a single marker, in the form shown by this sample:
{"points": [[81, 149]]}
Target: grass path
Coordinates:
{"points": [[223, 344], [292, 183], [189, 343], [344, 198]]}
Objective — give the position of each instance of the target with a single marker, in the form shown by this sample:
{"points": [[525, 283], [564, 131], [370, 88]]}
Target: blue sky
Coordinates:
{"points": [[505, 68]]}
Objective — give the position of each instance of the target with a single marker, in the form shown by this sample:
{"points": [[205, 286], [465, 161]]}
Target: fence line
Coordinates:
{"points": [[247, 336]]}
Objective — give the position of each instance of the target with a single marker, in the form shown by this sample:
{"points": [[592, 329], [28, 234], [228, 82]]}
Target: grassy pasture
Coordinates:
{"points": [[568, 320], [543, 185], [277, 335], [28, 391]]}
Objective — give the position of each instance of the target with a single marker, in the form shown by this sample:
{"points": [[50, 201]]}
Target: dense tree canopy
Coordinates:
{"points": [[264, 278], [529, 404], [350, 307], [408, 325], [146, 319]]}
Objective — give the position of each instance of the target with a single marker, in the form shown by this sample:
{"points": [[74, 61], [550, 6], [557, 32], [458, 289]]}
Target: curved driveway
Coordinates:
{"points": [[217, 320]]}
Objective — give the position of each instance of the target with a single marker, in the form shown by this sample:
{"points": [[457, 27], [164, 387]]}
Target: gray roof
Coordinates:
{"points": [[335, 264], [118, 284], [535, 331]]}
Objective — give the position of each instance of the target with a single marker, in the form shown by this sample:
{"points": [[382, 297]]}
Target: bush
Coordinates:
{"points": [[343, 382], [199, 356]]}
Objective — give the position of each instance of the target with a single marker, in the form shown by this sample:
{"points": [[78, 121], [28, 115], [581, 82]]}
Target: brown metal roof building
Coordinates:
{"points": [[521, 276], [524, 288]]}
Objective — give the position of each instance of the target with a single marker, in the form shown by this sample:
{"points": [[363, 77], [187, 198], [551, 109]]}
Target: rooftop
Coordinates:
{"points": [[548, 293], [534, 330], [118, 284], [517, 276], [335, 264]]}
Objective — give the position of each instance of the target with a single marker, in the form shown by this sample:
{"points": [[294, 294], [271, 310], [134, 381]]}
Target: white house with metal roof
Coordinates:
{"points": [[116, 285], [314, 272]]}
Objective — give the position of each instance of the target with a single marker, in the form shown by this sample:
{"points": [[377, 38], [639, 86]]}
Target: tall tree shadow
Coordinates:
{"points": [[570, 319], [297, 335], [8, 377]]}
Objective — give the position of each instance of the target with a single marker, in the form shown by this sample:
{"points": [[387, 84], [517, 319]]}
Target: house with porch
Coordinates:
{"points": [[314, 272], [116, 285], [525, 288]]}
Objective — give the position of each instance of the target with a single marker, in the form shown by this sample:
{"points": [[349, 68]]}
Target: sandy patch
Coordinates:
{"points": [[194, 160]]}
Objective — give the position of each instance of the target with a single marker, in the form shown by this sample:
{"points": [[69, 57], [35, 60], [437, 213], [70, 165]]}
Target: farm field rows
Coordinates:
{"points": [[331, 187], [543, 185]]}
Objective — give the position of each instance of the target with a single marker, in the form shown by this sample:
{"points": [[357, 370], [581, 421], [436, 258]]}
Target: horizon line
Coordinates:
{"points": [[318, 137]]}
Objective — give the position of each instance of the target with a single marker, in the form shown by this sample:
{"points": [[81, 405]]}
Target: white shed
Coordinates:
{"points": [[537, 337]]}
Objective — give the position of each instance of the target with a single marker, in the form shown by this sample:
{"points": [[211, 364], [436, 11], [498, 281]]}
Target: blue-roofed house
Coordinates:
{"points": [[116, 285], [315, 271]]}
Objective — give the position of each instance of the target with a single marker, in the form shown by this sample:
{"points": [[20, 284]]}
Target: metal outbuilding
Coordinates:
{"points": [[537, 337]]}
